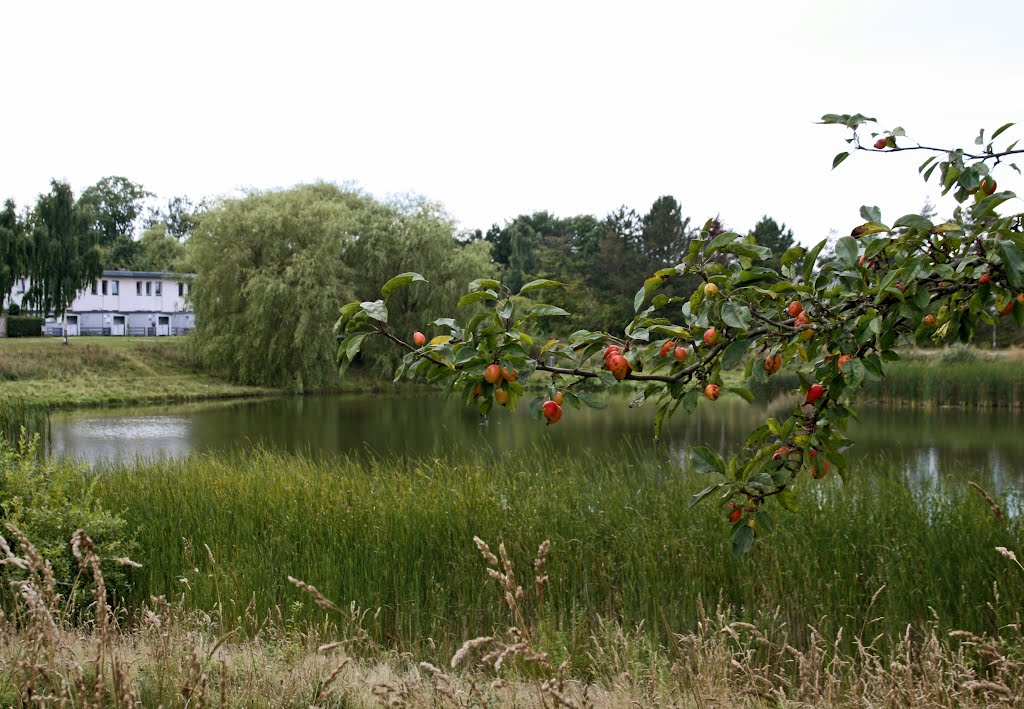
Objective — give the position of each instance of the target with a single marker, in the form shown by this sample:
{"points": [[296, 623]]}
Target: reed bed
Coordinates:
{"points": [[391, 538], [20, 419], [176, 658], [958, 377]]}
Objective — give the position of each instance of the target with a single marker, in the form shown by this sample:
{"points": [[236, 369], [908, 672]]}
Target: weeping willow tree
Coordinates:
{"points": [[64, 257], [13, 249], [272, 267]]}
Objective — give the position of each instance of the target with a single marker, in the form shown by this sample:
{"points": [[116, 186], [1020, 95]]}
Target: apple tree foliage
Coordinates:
{"points": [[890, 284]]}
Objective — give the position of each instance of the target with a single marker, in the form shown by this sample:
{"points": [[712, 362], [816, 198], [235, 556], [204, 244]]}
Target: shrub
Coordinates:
{"points": [[24, 327], [48, 500], [14, 310]]}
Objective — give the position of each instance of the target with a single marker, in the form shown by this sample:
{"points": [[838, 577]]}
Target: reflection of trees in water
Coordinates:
{"points": [[928, 445]]}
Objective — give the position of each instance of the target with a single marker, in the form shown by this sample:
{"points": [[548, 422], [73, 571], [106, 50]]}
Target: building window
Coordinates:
{"points": [[94, 287], [138, 287], [115, 287], [159, 287], [104, 288], [149, 287], [181, 290]]}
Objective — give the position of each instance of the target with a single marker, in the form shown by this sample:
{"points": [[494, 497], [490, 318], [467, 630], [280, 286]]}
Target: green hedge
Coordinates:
{"points": [[24, 327]]}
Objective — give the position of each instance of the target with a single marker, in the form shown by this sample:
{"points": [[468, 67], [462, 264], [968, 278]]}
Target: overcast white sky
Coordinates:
{"points": [[500, 108]]}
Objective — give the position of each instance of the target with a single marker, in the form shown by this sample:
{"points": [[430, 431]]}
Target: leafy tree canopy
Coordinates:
{"points": [[271, 268]]}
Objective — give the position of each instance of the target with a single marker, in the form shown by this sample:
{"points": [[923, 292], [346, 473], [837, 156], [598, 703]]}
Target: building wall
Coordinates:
{"points": [[142, 298]]}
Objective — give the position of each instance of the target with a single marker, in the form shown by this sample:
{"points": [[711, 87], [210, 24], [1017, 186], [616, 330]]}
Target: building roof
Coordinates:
{"points": [[148, 274]]}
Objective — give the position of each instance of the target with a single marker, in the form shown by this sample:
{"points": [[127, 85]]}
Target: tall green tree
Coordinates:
{"points": [[65, 257], [116, 203], [13, 250], [665, 236], [179, 217], [159, 251], [272, 267]]}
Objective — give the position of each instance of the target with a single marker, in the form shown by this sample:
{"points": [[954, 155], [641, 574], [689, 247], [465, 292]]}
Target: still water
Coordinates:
{"points": [[931, 443]]}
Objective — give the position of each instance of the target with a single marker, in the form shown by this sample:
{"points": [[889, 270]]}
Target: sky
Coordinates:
{"points": [[495, 109]]}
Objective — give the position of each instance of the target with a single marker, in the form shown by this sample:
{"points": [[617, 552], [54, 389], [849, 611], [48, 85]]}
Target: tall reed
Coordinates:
{"points": [[392, 536]]}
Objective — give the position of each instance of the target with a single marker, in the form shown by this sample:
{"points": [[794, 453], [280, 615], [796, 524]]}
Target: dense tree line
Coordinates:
{"points": [[602, 260]]}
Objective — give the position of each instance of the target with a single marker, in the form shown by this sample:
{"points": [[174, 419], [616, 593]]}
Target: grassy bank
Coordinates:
{"points": [[100, 371], [393, 537]]}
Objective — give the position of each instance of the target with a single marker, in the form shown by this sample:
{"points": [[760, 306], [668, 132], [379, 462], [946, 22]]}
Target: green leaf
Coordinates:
{"points": [[734, 353], [704, 460], [742, 539], [847, 250], [721, 240], [1013, 263], [736, 315], [742, 392], [1000, 130], [812, 257], [543, 310], [838, 159], [353, 343], [540, 283], [590, 399], [870, 214], [793, 255], [376, 310], [483, 284], [914, 221], [704, 493], [400, 281], [476, 296], [346, 312], [638, 299]]}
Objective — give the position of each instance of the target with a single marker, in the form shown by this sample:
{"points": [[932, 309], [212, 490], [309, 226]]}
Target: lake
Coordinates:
{"points": [[931, 442]]}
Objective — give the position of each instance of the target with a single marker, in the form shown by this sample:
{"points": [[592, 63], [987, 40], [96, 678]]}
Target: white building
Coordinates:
{"points": [[126, 303]]}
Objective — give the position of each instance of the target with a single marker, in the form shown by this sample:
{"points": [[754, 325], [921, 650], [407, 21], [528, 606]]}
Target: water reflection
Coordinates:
{"points": [[931, 444]]}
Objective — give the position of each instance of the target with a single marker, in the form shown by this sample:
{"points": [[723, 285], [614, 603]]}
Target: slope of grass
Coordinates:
{"points": [[92, 371]]}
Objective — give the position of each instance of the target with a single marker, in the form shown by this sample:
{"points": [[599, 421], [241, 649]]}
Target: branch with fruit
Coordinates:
{"points": [[834, 324]]}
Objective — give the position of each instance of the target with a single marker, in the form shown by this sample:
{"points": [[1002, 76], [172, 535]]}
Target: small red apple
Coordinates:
{"points": [[795, 308], [780, 453], [619, 366], [814, 393], [735, 515], [987, 186], [680, 353], [559, 398], [501, 396], [419, 339], [710, 336], [881, 144], [985, 278], [667, 348], [843, 360], [711, 391], [552, 411], [492, 375], [929, 320]]}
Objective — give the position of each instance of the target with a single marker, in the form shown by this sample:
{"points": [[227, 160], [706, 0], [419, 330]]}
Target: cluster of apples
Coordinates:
{"points": [[552, 408], [495, 375], [615, 363]]}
